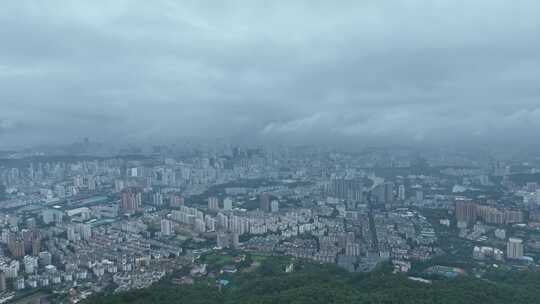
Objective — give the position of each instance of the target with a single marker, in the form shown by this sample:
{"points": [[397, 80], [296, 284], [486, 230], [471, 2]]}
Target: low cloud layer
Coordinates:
{"points": [[401, 72]]}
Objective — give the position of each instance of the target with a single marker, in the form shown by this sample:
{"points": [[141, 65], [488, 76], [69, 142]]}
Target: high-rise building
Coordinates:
{"points": [[351, 205], [166, 227], [213, 203], [92, 183], [401, 192], [274, 206], [210, 223], [131, 199], [514, 248], [384, 193], [2, 192], [419, 195], [11, 270], [239, 225], [222, 222], [513, 216], [465, 211], [483, 180], [199, 225], [228, 240], [227, 203], [45, 258], [3, 286], [36, 246], [389, 192], [490, 215], [119, 185], [223, 240], [532, 187], [176, 200], [157, 199], [353, 249], [16, 246], [52, 216], [84, 230], [346, 189], [264, 202], [235, 239], [30, 264]]}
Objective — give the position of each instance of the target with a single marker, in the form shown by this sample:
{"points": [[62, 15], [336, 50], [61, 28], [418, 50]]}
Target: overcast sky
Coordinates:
{"points": [[300, 71]]}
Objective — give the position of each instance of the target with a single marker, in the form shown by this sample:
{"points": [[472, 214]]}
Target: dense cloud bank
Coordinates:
{"points": [[296, 71]]}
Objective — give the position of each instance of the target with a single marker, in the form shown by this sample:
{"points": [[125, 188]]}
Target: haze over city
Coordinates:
{"points": [[263, 152], [366, 72]]}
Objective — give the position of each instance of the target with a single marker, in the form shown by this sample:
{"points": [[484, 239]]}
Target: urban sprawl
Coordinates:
{"points": [[79, 225]]}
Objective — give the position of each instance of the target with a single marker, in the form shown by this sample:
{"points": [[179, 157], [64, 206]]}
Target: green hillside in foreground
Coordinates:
{"points": [[324, 284]]}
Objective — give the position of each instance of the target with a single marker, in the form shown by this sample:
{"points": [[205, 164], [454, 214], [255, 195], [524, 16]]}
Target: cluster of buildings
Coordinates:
{"points": [[80, 225]]}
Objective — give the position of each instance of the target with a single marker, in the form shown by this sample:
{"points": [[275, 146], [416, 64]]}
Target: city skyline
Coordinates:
{"points": [[317, 152]]}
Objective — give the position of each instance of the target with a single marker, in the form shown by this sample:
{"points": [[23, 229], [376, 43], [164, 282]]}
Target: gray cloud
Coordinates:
{"points": [[301, 71]]}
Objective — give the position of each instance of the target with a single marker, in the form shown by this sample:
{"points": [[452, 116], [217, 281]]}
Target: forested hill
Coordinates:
{"points": [[322, 284]]}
